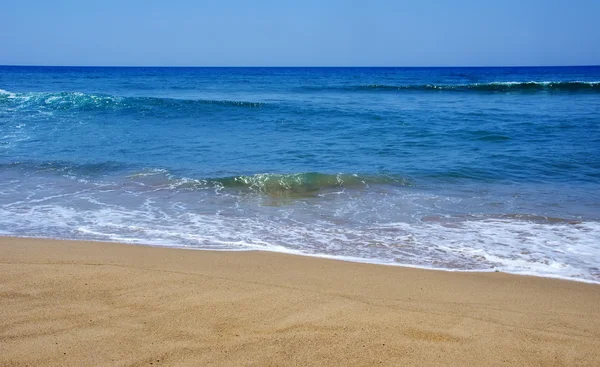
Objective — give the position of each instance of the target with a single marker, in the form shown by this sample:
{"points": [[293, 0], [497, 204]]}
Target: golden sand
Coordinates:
{"points": [[70, 303]]}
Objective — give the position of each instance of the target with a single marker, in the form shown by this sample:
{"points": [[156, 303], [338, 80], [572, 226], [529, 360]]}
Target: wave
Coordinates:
{"points": [[305, 183], [532, 86], [302, 184], [95, 102], [274, 184]]}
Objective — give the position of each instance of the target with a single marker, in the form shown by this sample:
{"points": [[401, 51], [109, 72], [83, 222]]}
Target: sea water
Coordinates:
{"points": [[449, 168]]}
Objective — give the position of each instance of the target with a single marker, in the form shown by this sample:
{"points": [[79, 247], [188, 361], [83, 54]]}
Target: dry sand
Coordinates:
{"points": [[66, 303]]}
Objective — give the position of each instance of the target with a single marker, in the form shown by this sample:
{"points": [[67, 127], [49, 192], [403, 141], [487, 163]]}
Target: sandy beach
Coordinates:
{"points": [[71, 303]]}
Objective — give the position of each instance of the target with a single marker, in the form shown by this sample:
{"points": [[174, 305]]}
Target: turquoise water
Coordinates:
{"points": [[449, 168]]}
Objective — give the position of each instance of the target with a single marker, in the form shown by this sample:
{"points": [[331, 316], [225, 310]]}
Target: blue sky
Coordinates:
{"points": [[300, 33]]}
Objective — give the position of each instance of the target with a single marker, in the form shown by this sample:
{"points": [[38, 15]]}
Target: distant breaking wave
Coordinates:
{"points": [[91, 102], [532, 86]]}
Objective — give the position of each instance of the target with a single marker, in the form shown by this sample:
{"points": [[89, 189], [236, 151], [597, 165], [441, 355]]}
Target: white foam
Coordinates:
{"points": [[346, 226], [566, 251]]}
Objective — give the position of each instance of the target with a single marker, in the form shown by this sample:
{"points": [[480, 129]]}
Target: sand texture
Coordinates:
{"points": [[68, 303]]}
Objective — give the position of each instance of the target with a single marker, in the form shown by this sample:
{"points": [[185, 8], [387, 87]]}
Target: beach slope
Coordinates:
{"points": [[71, 303]]}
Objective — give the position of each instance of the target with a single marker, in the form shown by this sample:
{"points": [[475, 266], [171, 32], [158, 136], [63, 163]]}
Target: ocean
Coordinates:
{"points": [[467, 169]]}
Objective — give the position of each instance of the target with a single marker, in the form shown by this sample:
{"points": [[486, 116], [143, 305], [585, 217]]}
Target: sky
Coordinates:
{"points": [[299, 33]]}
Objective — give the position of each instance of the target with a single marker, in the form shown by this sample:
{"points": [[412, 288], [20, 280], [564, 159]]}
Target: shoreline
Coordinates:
{"points": [[103, 303], [348, 259]]}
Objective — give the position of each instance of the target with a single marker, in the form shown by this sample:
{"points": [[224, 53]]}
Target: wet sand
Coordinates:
{"points": [[73, 303]]}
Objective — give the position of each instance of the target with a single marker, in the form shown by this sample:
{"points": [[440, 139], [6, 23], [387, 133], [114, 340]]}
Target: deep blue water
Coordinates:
{"points": [[452, 168]]}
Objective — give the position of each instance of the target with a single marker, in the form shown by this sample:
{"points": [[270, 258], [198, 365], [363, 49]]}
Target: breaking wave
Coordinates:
{"points": [[512, 86], [98, 102], [273, 184]]}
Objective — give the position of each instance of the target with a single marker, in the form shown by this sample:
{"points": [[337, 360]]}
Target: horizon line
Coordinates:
{"points": [[298, 66]]}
